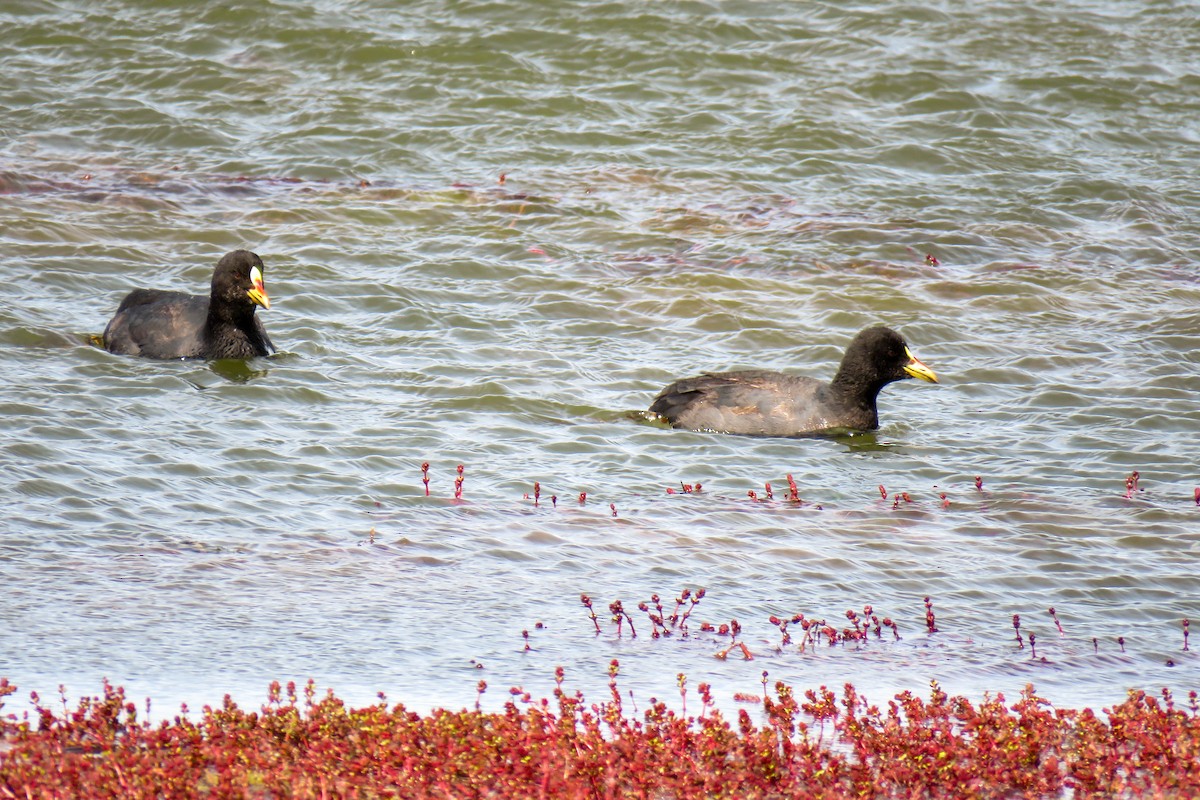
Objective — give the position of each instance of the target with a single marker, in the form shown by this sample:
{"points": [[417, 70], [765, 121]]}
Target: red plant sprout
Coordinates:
{"points": [[945, 501], [706, 700], [480, 688], [1131, 485], [1057, 624], [525, 633], [882, 492], [1095, 645], [1121, 642], [978, 483], [1017, 627], [931, 260], [458, 483], [1186, 622], [619, 613], [858, 630], [582, 498], [734, 629], [929, 620], [681, 682], [869, 613], [1032, 646], [1196, 495], [767, 489], [693, 598], [793, 493], [614, 669], [782, 624], [587, 602], [889, 623], [537, 493], [613, 508], [679, 601], [554, 501], [752, 495], [655, 621], [425, 476]]}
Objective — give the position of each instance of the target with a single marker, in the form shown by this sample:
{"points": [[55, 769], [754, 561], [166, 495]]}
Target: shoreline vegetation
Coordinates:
{"points": [[781, 744], [303, 744]]}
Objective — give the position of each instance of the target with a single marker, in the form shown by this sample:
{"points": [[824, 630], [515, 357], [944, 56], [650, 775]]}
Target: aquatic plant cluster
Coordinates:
{"points": [[792, 496], [820, 745], [814, 631], [300, 744]]}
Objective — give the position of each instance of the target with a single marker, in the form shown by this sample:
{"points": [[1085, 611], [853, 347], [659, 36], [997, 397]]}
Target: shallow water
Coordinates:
{"points": [[492, 232]]}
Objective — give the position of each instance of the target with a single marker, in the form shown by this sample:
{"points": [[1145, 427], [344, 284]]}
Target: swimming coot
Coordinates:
{"points": [[157, 324], [764, 403]]}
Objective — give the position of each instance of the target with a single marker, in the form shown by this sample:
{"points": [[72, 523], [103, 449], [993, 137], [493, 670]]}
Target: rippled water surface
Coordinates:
{"points": [[492, 232]]}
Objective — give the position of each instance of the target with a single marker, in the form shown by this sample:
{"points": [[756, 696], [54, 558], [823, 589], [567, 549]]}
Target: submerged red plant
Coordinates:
{"points": [[1131, 484], [1057, 624], [793, 493]]}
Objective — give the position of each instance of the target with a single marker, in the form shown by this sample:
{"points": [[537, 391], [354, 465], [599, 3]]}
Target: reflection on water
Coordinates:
{"points": [[238, 370]]}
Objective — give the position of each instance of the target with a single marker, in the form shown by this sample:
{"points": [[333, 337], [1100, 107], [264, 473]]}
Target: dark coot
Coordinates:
{"points": [[764, 403], [157, 324]]}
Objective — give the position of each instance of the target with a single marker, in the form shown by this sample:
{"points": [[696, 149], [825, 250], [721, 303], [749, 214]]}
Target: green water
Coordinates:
{"points": [[492, 232]]}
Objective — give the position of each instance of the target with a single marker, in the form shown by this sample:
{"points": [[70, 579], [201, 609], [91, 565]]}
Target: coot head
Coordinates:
{"points": [[877, 356], [238, 281]]}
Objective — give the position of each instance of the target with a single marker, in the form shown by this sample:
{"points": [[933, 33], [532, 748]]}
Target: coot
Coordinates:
{"points": [[764, 403], [156, 324]]}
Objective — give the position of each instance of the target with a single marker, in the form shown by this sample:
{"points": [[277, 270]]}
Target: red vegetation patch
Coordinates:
{"points": [[820, 747]]}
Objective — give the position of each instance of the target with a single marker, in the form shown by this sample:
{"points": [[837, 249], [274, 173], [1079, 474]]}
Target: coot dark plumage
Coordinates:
{"points": [[158, 324], [764, 403]]}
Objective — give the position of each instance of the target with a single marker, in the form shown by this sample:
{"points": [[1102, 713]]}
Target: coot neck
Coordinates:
{"points": [[855, 383], [228, 322]]}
